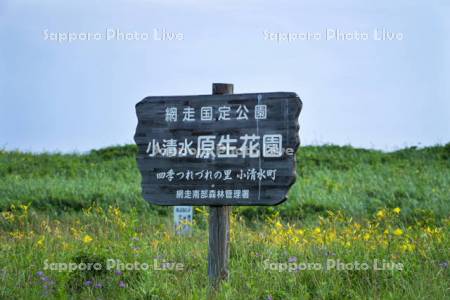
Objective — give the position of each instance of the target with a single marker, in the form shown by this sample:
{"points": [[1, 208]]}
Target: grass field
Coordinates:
{"points": [[348, 206]]}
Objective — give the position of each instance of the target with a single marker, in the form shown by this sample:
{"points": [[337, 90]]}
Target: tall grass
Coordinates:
{"points": [[332, 178], [268, 259], [348, 205]]}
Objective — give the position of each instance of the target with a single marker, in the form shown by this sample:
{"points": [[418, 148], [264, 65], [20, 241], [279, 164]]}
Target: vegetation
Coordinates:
{"points": [[348, 206]]}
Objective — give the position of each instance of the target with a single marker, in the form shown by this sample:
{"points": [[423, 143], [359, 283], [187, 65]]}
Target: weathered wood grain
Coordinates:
{"points": [[283, 112], [219, 227]]}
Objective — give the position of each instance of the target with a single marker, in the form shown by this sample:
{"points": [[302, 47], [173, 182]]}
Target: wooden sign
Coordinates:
{"points": [[236, 149]]}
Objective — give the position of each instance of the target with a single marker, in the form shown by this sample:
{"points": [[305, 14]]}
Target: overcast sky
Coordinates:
{"points": [[373, 92]]}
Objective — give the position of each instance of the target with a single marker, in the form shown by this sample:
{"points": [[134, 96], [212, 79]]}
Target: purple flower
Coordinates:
{"points": [[292, 259], [44, 278], [40, 273], [98, 286], [269, 297], [122, 284], [88, 282], [118, 272], [444, 264]]}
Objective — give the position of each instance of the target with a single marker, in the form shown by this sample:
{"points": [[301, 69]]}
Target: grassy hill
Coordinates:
{"points": [[349, 206], [333, 178]]}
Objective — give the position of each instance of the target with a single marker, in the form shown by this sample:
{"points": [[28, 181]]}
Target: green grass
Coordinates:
{"points": [[348, 204], [29, 240], [332, 178]]}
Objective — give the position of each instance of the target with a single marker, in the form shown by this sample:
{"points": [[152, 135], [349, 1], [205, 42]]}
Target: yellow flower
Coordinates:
{"points": [[397, 210], [278, 225], [317, 230], [17, 234], [408, 247], [87, 239], [8, 216], [398, 232], [380, 214], [24, 207], [40, 242], [366, 237], [116, 211]]}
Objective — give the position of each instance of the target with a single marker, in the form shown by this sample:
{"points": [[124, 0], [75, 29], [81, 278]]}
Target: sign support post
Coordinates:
{"points": [[219, 150], [219, 225]]}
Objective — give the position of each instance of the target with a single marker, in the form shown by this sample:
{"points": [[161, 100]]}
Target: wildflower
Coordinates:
{"points": [[317, 230], [17, 234], [397, 210], [381, 214], [366, 237], [116, 211], [269, 297], [88, 282], [292, 259], [300, 232], [278, 225], [98, 286], [444, 264], [40, 242], [118, 272], [408, 247], [122, 284], [87, 239], [40, 273], [75, 232], [25, 207], [8, 216], [398, 232]]}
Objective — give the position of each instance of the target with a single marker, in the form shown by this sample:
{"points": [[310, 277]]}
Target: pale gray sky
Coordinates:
{"points": [[79, 95]]}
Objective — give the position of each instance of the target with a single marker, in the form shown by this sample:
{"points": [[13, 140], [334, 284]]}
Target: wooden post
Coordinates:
{"points": [[219, 225]]}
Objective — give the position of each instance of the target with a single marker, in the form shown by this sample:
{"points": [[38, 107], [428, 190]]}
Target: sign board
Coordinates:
{"points": [[236, 149], [182, 218]]}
